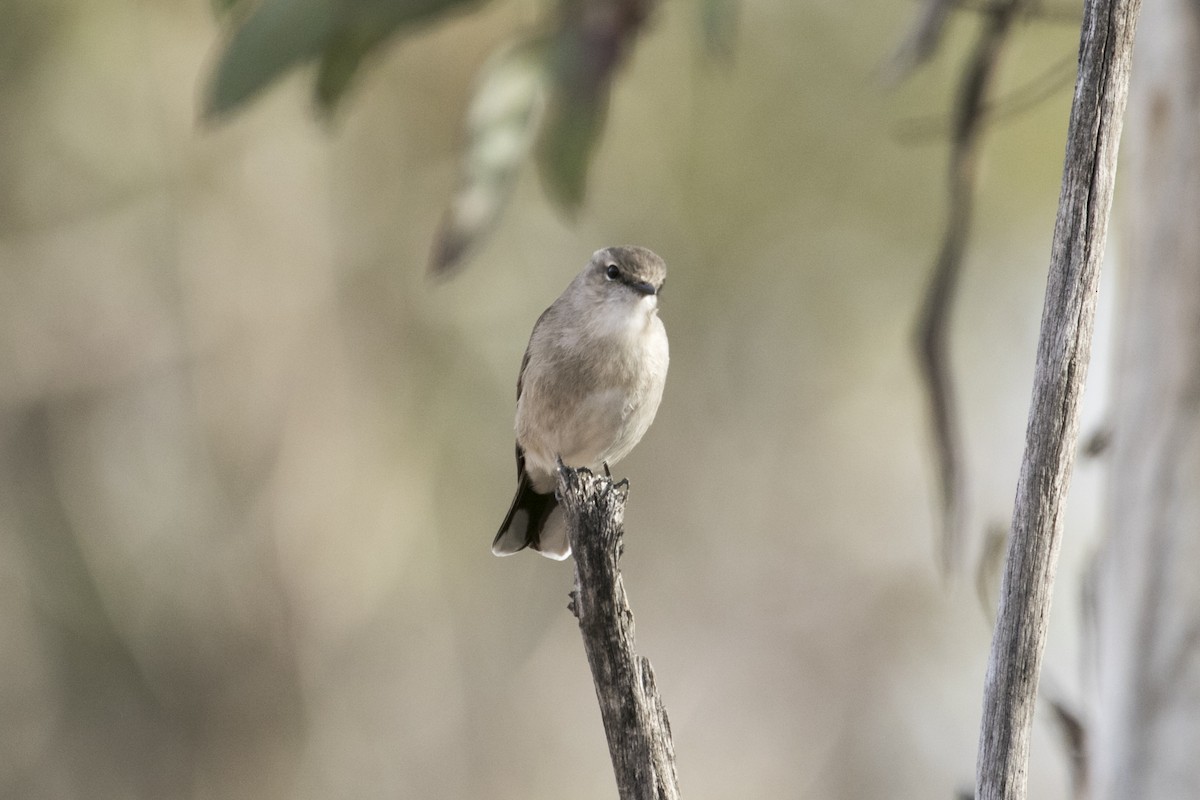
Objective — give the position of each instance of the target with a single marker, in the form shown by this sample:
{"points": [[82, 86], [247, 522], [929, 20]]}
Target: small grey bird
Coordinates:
{"points": [[590, 384]]}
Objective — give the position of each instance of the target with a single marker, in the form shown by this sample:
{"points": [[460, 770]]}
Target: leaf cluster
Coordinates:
{"points": [[546, 93]]}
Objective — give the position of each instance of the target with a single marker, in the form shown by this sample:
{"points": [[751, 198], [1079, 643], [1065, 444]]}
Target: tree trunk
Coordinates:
{"points": [[1145, 740]]}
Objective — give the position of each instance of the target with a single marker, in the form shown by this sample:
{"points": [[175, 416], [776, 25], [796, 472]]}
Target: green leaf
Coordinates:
{"points": [[582, 59], [339, 65], [572, 129], [365, 25], [501, 124], [281, 34], [276, 36]]}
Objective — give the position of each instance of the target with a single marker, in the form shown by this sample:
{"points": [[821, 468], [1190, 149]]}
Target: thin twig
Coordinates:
{"points": [[933, 324], [1042, 12], [926, 34], [1051, 81]]}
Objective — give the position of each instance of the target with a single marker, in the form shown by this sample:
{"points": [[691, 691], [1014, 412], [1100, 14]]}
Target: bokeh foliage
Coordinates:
{"points": [[550, 87]]}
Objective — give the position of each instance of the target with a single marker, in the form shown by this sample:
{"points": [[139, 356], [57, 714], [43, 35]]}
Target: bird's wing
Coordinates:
{"points": [[525, 358]]}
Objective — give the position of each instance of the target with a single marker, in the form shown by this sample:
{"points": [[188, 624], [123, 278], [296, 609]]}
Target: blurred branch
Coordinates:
{"points": [[921, 41], [1073, 734], [989, 567], [1097, 442], [635, 720], [932, 327], [926, 34], [1050, 82], [1064, 347], [1037, 9]]}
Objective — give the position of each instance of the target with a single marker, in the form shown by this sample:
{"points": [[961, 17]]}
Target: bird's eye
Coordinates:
{"points": [[612, 273]]}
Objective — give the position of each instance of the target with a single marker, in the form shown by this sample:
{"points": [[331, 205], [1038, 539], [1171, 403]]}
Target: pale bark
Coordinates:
{"points": [[1064, 346], [1145, 726]]}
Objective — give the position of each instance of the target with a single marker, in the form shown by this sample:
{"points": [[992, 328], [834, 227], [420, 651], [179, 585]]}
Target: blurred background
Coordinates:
{"points": [[252, 457]]}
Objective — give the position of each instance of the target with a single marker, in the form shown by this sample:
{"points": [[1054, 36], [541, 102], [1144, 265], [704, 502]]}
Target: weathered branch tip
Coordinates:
{"points": [[635, 720]]}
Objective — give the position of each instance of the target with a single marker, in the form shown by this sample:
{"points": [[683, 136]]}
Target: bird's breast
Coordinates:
{"points": [[590, 401]]}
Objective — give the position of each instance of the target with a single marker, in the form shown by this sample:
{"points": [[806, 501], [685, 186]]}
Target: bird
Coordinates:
{"points": [[589, 387]]}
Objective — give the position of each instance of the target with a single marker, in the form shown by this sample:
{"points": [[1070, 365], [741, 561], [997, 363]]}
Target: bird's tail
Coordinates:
{"points": [[532, 522]]}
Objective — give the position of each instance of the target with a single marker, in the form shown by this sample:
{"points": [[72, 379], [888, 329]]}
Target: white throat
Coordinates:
{"points": [[622, 318]]}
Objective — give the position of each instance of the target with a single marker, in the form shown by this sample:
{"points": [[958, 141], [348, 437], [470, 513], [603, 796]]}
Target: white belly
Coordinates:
{"points": [[596, 424]]}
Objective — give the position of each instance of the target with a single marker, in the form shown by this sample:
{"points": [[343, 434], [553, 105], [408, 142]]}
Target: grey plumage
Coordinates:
{"points": [[590, 384]]}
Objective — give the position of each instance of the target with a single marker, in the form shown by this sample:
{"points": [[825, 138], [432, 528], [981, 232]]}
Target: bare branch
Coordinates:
{"points": [[635, 720], [1064, 346]]}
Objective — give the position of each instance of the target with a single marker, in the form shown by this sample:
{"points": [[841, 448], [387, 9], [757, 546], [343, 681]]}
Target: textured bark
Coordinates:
{"points": [[635, 720], [1146, 718], [1064, 346]]}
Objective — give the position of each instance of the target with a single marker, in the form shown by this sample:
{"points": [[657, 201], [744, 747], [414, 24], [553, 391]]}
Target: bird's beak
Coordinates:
{"points": [[644, 288]]}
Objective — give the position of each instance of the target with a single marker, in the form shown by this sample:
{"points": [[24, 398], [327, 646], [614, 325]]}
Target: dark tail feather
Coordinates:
{"points": [[522, 527]]}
